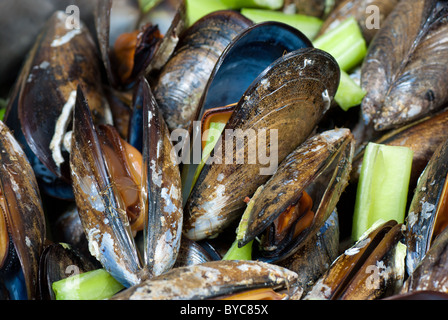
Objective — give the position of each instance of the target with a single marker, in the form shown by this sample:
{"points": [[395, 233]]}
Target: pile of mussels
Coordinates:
{"points": [[90, 175]]}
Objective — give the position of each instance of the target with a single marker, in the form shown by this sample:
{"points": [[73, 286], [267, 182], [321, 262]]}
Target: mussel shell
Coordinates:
{"points": [[162, 187], [24, 214], [350, 276], [316, 255], [246, 56], [405, 77], [176, 11], [320, 166], [61, 59], [287, 99], [183, 78], [430, 272], [59, 261], [424, 207], [209, 280], [104, 221], [317, 8]]}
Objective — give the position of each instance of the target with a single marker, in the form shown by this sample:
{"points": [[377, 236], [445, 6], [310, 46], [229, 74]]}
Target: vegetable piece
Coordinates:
{"points": [[308, 25], [383, 186], [345, 43], [92, 285], [261, 4], [349, 93], [196, 9]]}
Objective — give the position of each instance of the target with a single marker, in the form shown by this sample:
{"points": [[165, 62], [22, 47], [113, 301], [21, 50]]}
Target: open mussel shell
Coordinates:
{"points": [[364, 11], [59, 261], [182, 80], [210, 280], [430, 272], [285, 101], [320, 168], [402, 83], [372, 268], [246, 56], [104, 221], [314, 256], [427, 213], [22, 221], [101, 207]]}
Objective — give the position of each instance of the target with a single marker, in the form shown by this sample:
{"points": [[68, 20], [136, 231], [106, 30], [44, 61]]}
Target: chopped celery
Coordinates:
{"points": [[349, 94], [261, 4], [196, 9], [146, 5], [92, 285], [345, 43], [245, 252], [308, 25], [382, 187]]}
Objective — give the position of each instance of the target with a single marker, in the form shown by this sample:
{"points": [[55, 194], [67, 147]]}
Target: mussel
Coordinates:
{"points": [[108, 205], [61, 59], [22, 221], [210, 280], [286, 100], [405, 70], [299, 198], [427, 217], [373, 268]]}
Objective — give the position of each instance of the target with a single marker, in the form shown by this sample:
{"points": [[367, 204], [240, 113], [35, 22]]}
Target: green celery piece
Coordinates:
{"points": [[245, 252], [308, 25], [214, 132], [260, 4], [92, 285], [146, 5], [196, 9], [345, 43], [235, 253], [349, 93], [382, 187]]}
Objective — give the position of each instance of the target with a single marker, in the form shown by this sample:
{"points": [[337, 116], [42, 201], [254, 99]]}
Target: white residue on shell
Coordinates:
{"points": [[156, 175], [66, 38], [60, 129]]}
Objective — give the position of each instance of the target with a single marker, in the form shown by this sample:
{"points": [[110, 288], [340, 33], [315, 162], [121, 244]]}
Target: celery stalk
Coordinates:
{"points": [[382, 187], [261, 4], [245, 252], [196, 9], [308, 25], [345, 43], [146, 5], [92, 285], [349, 94]]}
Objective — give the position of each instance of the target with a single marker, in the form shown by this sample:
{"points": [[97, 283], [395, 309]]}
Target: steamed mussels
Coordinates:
{"points": [[148, 147]]}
